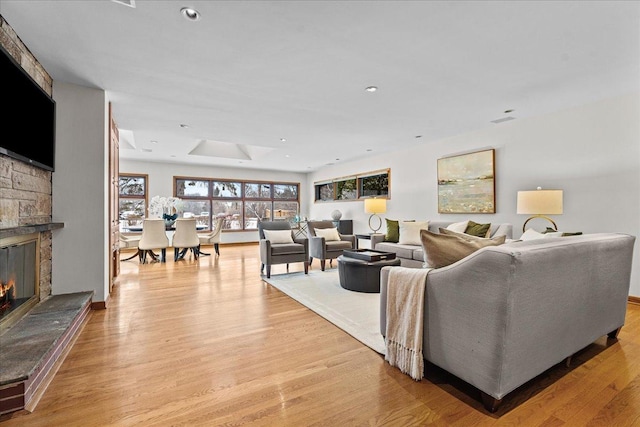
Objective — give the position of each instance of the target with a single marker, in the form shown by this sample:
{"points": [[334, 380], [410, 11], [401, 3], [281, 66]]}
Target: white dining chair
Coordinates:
{"points": [[212, 237], [153, 237], [185, 238]]}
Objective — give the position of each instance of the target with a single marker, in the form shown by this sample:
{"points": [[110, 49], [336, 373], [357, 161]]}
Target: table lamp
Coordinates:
{"points": [[540, 203], [375, 207]]}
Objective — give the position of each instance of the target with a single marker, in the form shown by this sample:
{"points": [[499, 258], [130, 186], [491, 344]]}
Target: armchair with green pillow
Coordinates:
{"points": [[408, 248]]}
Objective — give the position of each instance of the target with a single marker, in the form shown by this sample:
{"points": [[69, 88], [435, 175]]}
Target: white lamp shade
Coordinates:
{"points": [[540, 202], [375, 206]]}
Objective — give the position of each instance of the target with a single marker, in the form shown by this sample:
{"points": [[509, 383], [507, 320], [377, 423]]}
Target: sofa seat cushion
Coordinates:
{"points": [[418, 255], [287, 248], [401, 251], [338, 245]]}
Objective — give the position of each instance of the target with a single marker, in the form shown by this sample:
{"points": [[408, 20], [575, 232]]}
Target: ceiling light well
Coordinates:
{"points": [[190, 13]]}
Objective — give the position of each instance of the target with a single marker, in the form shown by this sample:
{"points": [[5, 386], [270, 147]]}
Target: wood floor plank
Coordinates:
{"points": [[209, 343]]}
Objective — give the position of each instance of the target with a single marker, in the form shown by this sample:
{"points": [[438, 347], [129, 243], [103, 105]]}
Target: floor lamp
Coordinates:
{"points": [[540, 203], [375, 207]]}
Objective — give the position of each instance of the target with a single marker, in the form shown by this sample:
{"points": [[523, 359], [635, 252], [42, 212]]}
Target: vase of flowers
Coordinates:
{"points": [[166, 208]]}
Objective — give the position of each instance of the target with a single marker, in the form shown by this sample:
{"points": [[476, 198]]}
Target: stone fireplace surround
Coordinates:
{"points": [[26, 208]]}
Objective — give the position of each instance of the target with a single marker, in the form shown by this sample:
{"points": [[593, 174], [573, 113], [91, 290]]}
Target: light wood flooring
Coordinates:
{"points": [[209, 343]]}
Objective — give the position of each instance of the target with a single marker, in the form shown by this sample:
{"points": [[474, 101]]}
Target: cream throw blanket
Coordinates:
{"points": [[405, 320]]}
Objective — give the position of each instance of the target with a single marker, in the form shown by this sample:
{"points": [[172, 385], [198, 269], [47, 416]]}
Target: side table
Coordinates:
{"points": [[364, 237]]}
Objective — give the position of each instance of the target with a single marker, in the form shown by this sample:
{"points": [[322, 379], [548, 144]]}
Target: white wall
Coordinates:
{"points": [[80, 250], [592, 152], [161, 184]]}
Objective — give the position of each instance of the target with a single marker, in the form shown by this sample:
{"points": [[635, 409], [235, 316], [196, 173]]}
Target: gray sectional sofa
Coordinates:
{"points": [[504, 314], [412, 255]]}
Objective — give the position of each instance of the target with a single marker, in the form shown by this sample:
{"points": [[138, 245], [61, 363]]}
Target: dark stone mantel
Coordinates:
{"points": [[29, 229]]}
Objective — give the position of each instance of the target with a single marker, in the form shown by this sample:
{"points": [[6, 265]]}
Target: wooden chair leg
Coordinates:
{"points": [[164, 255], [261, 268], [268, 271], [306, 267], [287, 267], [216, 246], [322, 264]]}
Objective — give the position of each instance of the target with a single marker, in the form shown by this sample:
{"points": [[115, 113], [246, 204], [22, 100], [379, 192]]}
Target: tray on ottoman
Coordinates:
{"points": [[368, 254]]}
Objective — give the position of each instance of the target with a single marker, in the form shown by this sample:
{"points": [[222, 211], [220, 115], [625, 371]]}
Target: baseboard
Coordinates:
{"points": [[100, 305], [634, 300]]}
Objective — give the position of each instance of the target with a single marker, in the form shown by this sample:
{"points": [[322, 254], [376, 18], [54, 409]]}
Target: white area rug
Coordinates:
{"points": [[356, 313]]}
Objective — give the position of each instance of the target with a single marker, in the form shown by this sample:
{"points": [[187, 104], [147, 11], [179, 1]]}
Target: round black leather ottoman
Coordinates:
{"points": [[362, 276]]}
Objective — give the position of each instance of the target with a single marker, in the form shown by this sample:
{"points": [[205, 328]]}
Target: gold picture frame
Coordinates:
{"points": [[466, 183]]}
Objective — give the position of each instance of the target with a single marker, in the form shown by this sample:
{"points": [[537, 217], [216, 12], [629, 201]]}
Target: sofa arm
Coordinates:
{"points": [[317, 247], [305, 242], [349, 238], [375, 239], [265, 251]]}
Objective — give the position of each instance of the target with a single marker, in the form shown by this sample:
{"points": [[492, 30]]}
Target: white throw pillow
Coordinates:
{"points": [[329, 234], [278, 236], [531, 234], [410, 232], [458, 227]]}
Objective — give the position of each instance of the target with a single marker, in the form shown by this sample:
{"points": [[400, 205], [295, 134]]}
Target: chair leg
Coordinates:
{"points": [[322, 264], [216, 246], [175, 254], [310, 261], [306, 267], [164, 255], [268, 271], [261, 268], [202, 253], [287, 267]]}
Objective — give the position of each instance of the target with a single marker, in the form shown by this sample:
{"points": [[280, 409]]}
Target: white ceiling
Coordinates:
{"points": [[253, 72]]}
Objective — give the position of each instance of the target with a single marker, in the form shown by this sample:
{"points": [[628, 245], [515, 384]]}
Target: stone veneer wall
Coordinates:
{"points": [[25, 190]]}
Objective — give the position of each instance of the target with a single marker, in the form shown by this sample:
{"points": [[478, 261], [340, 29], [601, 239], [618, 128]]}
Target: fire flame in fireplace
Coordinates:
{"points": [[7, 294]]}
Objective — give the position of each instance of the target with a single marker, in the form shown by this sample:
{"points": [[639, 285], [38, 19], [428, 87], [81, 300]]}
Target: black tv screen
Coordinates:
{"points": [[28, 113]]}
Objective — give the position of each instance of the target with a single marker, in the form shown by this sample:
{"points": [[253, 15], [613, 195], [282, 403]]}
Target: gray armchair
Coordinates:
{"points": [[272, 252], [324, 249]]}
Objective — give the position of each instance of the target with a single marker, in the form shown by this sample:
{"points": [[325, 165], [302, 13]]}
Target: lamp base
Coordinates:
{"points": [[375, 230], [524, 226]]}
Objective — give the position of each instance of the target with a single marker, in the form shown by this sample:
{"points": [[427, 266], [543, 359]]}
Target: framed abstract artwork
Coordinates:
{"points": [[466, 183]]}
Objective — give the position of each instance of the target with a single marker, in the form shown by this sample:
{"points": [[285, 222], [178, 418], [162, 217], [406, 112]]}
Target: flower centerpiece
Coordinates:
{"points": [[166, 208]]}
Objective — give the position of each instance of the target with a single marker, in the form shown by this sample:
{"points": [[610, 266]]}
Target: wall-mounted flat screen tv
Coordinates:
{"points": [[28, 116]]}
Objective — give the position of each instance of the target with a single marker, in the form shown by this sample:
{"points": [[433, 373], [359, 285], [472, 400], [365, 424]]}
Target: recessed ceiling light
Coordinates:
{"points": [[183, 126], [190, 13], [287, 156], [154, 142], [418, 136], [283, 140], [369, 149], [371, 88], [337, 159], [511, 110]]}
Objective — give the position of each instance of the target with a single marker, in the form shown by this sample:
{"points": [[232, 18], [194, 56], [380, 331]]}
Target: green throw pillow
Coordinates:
{"points": [[393, 231], [478, 230]]}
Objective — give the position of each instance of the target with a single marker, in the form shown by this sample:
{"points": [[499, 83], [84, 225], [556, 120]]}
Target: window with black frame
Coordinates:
{"points": [[241, 203], [357, 187]]}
